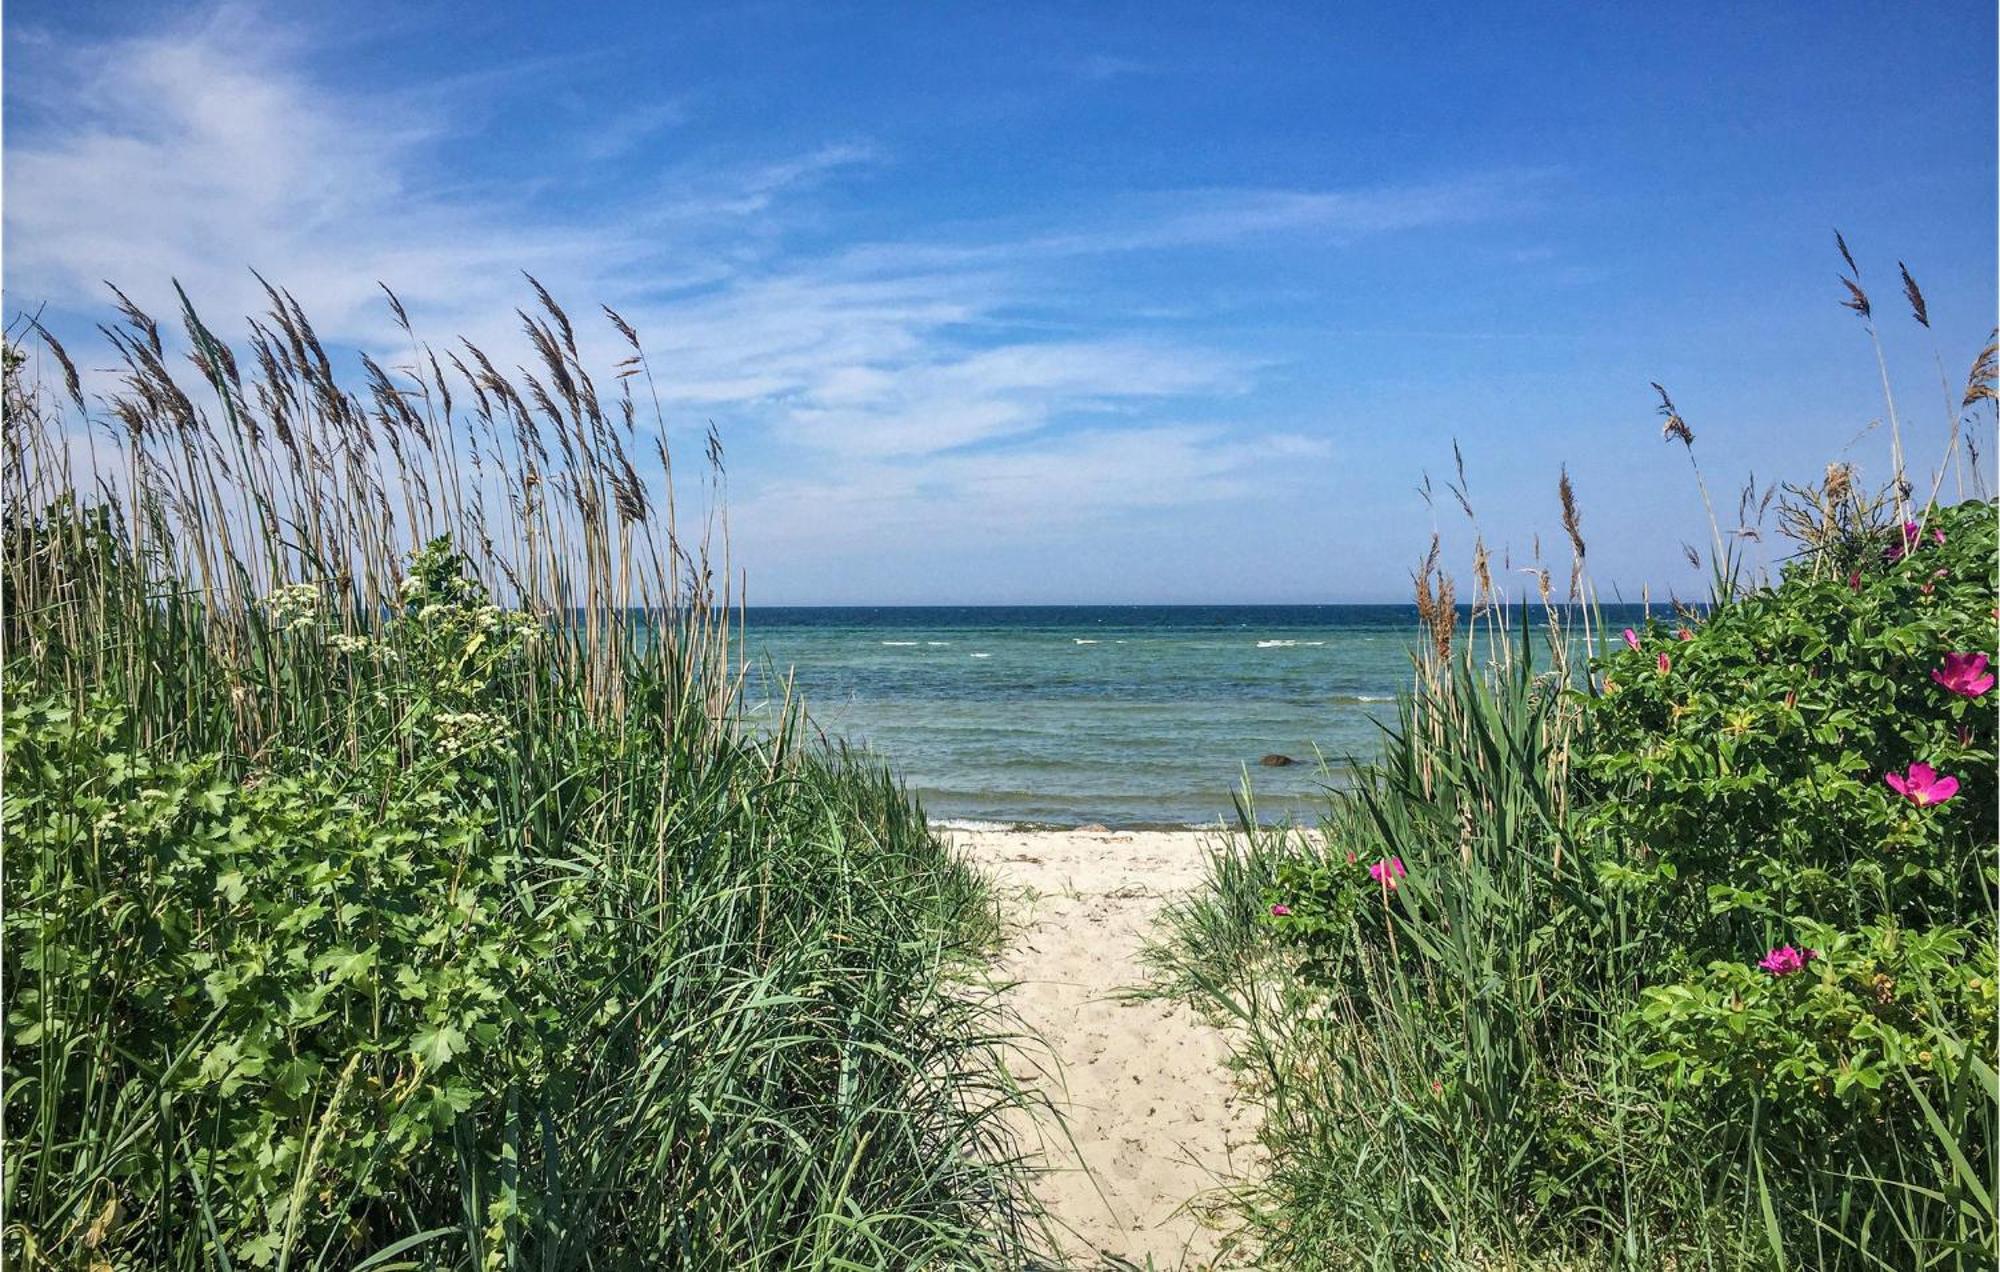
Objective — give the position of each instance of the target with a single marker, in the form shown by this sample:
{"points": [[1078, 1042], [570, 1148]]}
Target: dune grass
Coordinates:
{"points": [[391, 878]]}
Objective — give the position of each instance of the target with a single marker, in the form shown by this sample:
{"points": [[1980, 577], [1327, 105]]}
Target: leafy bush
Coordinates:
{"points": [[1740, 777], [1740, 762], [1822, 930]]}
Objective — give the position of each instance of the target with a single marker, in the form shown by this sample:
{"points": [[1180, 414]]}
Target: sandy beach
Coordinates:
{"points": [[1154, 1117]]}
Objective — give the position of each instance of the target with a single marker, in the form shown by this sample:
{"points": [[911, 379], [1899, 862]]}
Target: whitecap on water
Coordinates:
{"points": [[899, 642]]}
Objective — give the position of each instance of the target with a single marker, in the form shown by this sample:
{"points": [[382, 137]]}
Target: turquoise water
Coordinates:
{"points": [[1128, 716]]}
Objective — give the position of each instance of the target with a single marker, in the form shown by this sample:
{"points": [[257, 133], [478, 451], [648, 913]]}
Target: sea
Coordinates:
{"points": [[1125, 716]]}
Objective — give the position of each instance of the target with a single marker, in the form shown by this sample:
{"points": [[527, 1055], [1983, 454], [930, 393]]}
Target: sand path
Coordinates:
{"points": [[1154, 1116]]}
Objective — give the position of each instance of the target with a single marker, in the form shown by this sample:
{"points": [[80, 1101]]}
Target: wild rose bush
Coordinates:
{"points": [[1812, 768], [1768, 767]]}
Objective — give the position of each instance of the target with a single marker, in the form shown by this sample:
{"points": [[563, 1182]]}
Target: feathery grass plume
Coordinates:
{"points": [[1486, 596], [1674, 429], [1857, 300], [1726, 562], [1979, 383], [1979, 387], [1437, 609], [1918, 310], [1424, 598], [72, 383], [1572, 524], [1461, 486]]}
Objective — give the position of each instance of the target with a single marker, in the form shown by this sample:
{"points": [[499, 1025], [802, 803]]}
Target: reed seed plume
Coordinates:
{"points": [[1437, 606], [1840, 241], [1857, 300], [1918, 310], [1461, 486], [72, 382], [1675, 429], [1572, 520], [1572, 524], [1979, 384], [1485, 595]]}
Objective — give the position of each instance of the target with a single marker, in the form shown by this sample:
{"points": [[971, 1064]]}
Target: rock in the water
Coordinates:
{"points": [[1277, 761]]}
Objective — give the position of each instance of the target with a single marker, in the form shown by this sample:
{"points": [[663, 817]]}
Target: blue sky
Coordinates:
{"points": [[1023, 303]]}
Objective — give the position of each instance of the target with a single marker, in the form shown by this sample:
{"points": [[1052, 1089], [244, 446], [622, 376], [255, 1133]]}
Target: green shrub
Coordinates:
{"points": [[1738, 777], [1823, 946], [1740, 771]]}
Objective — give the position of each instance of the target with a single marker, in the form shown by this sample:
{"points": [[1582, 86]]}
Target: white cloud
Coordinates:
{"points": [[1043, 490], [895, 373]]}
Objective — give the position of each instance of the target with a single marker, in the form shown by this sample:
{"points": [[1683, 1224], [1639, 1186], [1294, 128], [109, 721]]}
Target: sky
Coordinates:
{"points": [[1053, 303]]}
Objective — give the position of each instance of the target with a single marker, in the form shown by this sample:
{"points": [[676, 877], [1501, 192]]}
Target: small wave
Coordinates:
{"points": [[899, 642], [1067, 827], [1286, 644], [937, 642], [982, 655], [1081, 641]]}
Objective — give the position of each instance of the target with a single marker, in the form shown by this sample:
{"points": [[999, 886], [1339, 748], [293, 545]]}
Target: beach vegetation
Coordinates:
{"points": [[392, 879], [1663, 946]]}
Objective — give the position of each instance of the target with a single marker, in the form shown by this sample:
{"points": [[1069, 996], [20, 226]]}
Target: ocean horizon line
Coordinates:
{"points": [[1463, 607]]}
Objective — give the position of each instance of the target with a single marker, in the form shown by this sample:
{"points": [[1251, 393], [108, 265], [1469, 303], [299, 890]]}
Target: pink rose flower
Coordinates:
{"points": [[1964, 674], [1785, 961], [1912, 537], [1922, 786]]}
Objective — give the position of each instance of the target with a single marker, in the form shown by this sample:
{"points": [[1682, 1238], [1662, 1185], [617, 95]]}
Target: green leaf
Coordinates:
{"points": [[437, 1045]]}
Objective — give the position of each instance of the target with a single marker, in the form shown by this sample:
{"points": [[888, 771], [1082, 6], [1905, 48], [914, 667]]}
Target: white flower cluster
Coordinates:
{"points": [[459, 732], [295, 606], [518, 624]]}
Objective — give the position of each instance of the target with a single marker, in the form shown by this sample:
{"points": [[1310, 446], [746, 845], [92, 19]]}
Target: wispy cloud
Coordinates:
{"points": [[613, 136], [899, 373]]}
